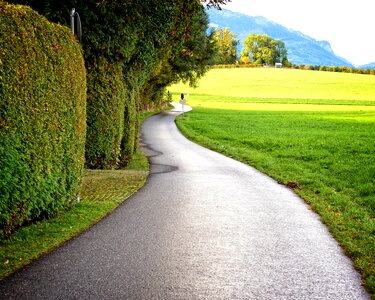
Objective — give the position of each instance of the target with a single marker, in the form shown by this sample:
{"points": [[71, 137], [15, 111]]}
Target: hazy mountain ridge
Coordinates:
{"points": [[302, 49], [369, 66]]}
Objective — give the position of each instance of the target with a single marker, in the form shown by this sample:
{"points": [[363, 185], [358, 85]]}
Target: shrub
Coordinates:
{"points": [[245, 60], [309, 67], [42, 117], [322, 68]]}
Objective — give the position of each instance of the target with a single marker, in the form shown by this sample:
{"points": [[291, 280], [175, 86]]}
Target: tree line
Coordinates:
{"points": [[260, 49]]}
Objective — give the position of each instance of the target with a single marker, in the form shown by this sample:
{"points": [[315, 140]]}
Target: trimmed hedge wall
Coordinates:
{"points": [[147, 43], [112, 115], [105, 114], [131, 112], [42, 117]]}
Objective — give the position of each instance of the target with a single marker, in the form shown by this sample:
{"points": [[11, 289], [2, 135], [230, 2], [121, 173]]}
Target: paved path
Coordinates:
{"points": [[203, 227]]}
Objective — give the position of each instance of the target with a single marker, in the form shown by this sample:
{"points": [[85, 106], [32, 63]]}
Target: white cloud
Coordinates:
{"points": [[347, 25]]}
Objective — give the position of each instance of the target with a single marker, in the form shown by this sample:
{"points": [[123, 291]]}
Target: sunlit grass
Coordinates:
{"points": [[320, 141], [268, 84], [257, 106]]}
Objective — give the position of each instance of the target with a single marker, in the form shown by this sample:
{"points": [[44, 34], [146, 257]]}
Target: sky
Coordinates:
{"points": [[349, 26]]}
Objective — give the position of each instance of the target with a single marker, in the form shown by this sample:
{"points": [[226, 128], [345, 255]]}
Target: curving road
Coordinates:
{"points": [[203, 227]]}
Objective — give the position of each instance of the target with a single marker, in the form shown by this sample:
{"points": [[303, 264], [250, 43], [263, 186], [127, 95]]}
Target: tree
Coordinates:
{"points": [[187, 61], [226, 43], [215, 3], [281, 52], [262, 49]]}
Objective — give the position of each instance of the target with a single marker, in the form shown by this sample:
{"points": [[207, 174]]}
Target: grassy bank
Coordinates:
{"points": [[312, 131]]}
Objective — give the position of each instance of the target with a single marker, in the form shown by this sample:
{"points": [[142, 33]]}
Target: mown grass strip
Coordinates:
{"points": [[208, 100]]}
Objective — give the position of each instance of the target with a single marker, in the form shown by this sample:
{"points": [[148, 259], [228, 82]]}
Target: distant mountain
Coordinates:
{"points": [[302, 49], [368, 66]]}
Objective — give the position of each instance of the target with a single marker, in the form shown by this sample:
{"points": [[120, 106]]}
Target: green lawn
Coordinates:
{"points": [[312, 131]]}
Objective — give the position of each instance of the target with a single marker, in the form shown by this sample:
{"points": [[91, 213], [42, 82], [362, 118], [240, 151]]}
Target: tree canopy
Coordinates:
{"points": [[215, 3], [262, 49], [225, 43]]}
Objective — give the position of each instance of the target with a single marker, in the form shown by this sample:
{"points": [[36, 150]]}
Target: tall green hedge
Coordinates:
{"points": [[42, 117], [112, 115], [148, 43], [131, 112], [105, 114]]}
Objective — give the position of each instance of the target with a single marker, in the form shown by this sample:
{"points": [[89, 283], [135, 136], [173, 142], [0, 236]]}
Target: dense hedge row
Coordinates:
{"points": [[42, 117], [105, 116], [112, 115], [147, 43], [129, 140]]}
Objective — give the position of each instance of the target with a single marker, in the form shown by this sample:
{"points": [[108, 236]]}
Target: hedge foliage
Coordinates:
{"points": [[105, 117], [147, 43], [42, 117]]}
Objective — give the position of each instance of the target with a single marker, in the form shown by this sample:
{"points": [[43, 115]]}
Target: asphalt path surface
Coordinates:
{"points": [[203, 227]]}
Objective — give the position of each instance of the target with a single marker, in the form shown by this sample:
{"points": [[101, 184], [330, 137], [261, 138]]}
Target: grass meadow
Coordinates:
{"points": [[312, 131]]}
